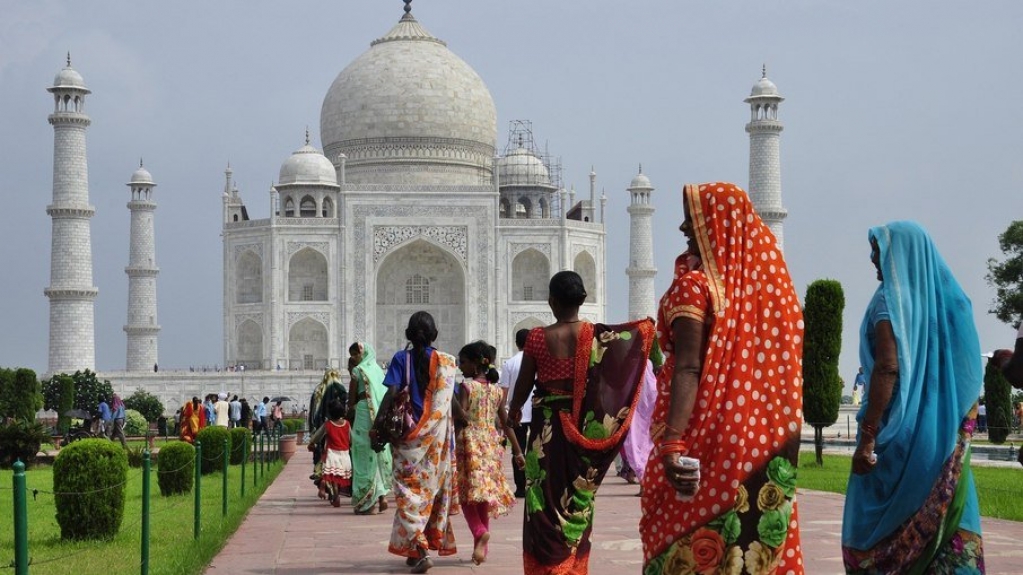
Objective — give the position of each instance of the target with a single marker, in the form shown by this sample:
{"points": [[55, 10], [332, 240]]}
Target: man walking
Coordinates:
{"points": [[509, 374]]}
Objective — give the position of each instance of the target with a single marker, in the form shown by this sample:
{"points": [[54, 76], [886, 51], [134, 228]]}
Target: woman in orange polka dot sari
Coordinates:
{"points": [[729, 397]]}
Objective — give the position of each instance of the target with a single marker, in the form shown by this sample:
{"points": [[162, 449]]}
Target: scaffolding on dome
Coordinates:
{"points": [[520, 136]]}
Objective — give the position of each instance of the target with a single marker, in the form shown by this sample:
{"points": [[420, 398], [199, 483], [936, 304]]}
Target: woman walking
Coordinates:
{"points": [[587, 379], [911, 505], [371, 482], [719, 493], [483, 489], [193, 418], [423, 459]]}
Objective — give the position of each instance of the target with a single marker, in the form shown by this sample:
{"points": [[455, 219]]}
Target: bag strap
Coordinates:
{"points": [[408, 368]]}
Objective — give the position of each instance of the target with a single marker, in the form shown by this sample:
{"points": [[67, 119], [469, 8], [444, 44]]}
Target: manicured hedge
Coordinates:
{"points": [[88, 486], [212, 441], [175, 468], [240, 438]]}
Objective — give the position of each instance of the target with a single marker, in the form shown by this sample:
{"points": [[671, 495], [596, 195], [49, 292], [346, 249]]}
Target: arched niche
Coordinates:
{"points": [[587, 269], [249, 278], [249, 343], [308, 345], [307, 276], [531, 273], [430, 275]]}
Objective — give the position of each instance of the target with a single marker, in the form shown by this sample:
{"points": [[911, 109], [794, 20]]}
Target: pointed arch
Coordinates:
{"points": [[249, 278], [249, 343], [308, 345], [307, 276], [531, 272], [328, 208], [586, 267], [307, 207], [289, 207], [434, 279]]}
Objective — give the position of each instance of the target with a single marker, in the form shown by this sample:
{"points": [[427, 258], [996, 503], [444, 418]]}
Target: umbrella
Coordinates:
{"points": [[281, 398], [78, 414]]}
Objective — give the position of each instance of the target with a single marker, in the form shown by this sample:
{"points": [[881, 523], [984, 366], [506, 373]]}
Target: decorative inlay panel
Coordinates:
{"points": [[294, 247], [517, 249], [238, 249], [241, 318], [454, 237], [320, 316]]}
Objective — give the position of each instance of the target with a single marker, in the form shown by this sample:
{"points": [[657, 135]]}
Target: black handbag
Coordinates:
{"points": [[394, 423]]}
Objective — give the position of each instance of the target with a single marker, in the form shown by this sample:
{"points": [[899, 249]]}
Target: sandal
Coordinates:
{"points": [[423, 565], [411, 561]]}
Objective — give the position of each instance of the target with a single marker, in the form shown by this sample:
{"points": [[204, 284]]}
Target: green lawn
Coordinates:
{"points": [[999, 489], [173, 551]]}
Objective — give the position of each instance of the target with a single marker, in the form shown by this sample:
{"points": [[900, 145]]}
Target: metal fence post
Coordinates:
{"points": [[20, 520], [245, 454], [146, 466], [223, 480], [198, 490]]}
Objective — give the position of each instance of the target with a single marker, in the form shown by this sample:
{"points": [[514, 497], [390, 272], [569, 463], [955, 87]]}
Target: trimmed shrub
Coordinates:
{"points": [[175, 468], [212, 440], [293, 424], [20, 394], [88, 484], [145, 403], [822, 343], [21, 439], [135, 423], [240, 437], [998, 399]]}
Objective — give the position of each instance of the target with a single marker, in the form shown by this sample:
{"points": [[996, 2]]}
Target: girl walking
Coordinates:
{"points": [[483, 489], [336, 479]]}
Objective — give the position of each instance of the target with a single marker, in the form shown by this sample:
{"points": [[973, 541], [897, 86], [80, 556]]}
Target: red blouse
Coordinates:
{"points": [[548, 367]]}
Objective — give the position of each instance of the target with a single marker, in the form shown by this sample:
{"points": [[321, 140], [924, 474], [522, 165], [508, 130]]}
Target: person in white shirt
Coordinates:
{"points": [[221, 409], [510, 373]]}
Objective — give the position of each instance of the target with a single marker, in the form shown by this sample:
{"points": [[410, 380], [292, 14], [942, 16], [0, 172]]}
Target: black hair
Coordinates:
{"points": [[354, 348], [520, 338], [336, 409], [421, 333], [567, 288], [484, 355]]}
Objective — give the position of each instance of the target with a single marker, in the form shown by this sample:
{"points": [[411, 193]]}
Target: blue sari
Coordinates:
{"points": [[917, 511]]}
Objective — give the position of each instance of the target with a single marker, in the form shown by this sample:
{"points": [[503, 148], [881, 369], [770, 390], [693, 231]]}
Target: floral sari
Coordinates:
{"points": [[576, 437], [916, 511], [424, 470], [371, 477], [192, 420], [745, 424]]}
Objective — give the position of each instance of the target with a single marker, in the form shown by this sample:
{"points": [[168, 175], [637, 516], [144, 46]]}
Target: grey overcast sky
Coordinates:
{"points": [[893, 110]]}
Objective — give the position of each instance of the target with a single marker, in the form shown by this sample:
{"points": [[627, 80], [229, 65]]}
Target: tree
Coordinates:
{"points": [[19, 394], [1007, 276], [145, 403], [822, 343], [88, 390], [998, 399]]}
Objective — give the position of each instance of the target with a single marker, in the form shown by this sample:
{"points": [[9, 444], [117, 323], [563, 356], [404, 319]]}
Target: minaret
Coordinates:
{"points": [[641, 270], [71, 293], [142, 328], [764, 159]]}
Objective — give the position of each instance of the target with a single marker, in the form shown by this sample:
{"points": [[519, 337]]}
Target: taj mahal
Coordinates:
{"points": [[410, 205]]}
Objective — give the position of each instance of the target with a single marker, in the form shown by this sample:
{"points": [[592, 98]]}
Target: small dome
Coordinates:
{"points": [[69, 78], [764, 87], [640, 182], [142, 176], [307, 166], [522, 168]]}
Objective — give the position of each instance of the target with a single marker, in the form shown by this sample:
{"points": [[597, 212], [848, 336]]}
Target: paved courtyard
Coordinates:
{"points": [[291, 532]]}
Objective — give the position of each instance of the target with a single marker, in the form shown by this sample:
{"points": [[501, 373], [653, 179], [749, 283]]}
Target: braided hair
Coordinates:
{"points": [[421, 333], [484, 355]]}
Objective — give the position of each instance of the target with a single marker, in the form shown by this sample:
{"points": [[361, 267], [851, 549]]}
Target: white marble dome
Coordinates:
{"points": [[522, 168], [640, 182], [408, 110], [141, 176], [764, 87], [307, 166], [69, 78]]}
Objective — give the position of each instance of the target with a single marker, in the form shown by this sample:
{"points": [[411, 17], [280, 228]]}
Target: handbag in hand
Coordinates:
{"points": [[394, 423]]}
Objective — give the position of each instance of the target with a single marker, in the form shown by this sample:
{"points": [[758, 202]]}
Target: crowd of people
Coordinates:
{"points": [[702, 408]]}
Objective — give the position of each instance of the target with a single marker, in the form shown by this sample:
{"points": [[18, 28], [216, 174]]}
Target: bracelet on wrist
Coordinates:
{"points": [[674, 446]]}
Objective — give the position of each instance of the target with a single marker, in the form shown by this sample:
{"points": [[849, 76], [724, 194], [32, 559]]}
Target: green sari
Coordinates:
{"points": [[371, 473]]}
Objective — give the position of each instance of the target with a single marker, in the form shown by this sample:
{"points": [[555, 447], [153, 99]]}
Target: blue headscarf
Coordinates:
{"points": [[940, 377]]}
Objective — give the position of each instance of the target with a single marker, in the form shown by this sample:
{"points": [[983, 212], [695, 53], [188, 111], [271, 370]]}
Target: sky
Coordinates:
{"points": [[906, 110]]}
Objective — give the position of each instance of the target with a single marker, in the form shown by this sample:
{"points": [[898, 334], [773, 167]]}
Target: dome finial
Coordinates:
{"points": [[140, 161], [307, 135], [69, 58], [408, 6], [764, 70], [641, 167]]}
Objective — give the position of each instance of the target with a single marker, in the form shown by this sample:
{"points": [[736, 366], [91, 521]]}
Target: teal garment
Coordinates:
{"points": [[371, 471], [940, 378]]}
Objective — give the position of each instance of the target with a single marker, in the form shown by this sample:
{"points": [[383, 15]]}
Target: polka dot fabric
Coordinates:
{"points": [[746, 421]]}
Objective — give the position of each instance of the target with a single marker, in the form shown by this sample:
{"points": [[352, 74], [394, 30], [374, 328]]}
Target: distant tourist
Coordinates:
{"points": [[193, 418], [336, 479], [118, 415], [222, 410], [371, 481], [235, 411], [509, 375], [911, 505], [106, 419], [858, 385]]}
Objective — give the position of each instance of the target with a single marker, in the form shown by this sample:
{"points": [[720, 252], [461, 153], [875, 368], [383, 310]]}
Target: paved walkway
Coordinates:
{"points": [[292, 532]]}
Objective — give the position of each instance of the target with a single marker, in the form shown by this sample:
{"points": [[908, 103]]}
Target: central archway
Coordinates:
{"points": [[419, 276]]}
